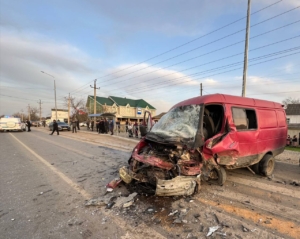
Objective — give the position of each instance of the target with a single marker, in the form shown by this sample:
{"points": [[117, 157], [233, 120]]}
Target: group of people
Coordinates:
{"points": [[103, 126], [292, 141], [132, 128]]}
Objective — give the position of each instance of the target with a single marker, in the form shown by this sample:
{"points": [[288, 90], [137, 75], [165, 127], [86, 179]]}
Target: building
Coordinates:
{"points": [[62, 115], [123, 108], [293, 120]]}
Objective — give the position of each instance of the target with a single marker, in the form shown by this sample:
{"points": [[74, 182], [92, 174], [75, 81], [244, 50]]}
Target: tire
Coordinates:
{"points": [[220, 173], [267, 165], [255, 168]]}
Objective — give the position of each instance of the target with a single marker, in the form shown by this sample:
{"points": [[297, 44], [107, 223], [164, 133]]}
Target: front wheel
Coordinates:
{"points": [[267, 165], [218, 175]]}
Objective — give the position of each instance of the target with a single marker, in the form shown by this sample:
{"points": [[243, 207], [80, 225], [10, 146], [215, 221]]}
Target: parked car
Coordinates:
{"points": [[12, 124], [82, 124], [35, 124], [61, 126], [204, 136]]}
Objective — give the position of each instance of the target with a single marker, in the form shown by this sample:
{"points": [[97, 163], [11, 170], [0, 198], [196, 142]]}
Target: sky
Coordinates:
{"points": [[159, 51]]}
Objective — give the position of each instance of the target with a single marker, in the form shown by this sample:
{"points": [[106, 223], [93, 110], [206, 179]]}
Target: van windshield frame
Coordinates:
{"points": [[179, 125]]}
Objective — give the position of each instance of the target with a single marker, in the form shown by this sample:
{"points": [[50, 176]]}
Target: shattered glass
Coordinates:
{"points": [[179, 124]]}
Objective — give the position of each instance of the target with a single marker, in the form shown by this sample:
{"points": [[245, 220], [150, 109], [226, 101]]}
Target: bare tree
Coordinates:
{"points": [[289, 101], [77, 108]]}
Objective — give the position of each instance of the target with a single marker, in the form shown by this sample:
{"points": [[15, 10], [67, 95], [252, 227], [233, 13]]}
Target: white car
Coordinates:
{"points": [[82, 124], [11, 124]]}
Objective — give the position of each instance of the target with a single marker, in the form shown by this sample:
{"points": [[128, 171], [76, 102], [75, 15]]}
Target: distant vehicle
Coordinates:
{"points": [[11, 124], [82, 124], [61, 126], [36, 123]]}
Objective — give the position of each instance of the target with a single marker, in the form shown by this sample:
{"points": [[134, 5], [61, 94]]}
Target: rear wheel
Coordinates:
{"points": [[267, 165]]}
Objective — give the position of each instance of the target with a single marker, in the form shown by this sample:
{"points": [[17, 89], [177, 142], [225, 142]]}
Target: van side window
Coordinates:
{"points": [[244, 118]]}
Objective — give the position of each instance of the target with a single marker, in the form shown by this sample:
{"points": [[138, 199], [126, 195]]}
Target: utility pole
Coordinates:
{"points": [[22, 115], [246, 50], [95, 88], [55, 101], [69, 110], [54, 94], [201, 89], [28, 112], [40, 110]]}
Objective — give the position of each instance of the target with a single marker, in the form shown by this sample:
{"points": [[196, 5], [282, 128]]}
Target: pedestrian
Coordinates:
{"points": [[295, 140], [126, 126], [111, 127], [74, 125], [28, 123], [136, 129], [288, 140], [106, 125], [55, 127], [130, 132], [78, 125], [118, 125], [88, 124], [98, 126], [92, 125], [101, 125], [44, 123]]}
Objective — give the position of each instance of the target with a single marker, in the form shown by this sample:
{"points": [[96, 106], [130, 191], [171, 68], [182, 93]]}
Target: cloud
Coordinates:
{"points": [[289, 68]]}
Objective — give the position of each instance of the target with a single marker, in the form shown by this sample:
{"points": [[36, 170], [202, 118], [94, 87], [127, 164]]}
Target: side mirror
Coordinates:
{"points": [[147, 124]]}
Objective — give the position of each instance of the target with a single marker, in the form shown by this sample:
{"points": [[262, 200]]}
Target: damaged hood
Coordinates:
{"points": [[178, 126]]}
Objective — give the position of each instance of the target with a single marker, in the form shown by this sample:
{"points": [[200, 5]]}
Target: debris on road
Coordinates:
{"points": [[114, 183], [122, 200], [212, 230]]}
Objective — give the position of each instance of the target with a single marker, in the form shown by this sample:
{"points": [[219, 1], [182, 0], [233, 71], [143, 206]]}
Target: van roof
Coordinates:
{"points": [[231, 99]]}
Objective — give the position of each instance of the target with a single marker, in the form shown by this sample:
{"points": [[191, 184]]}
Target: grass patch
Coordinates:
{"points": [[297, 149]]}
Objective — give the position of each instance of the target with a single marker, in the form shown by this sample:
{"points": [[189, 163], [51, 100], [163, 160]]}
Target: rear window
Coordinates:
{"points": [[4, 120]]}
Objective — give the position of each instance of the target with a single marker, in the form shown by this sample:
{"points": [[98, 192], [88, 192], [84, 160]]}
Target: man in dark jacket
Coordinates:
{"points": [[74, 125], [28, 125], [92, 125], [55, 127], [106, 125]]}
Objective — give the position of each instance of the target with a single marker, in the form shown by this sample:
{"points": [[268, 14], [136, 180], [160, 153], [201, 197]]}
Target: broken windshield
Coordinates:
{"points": [[179, 124]]}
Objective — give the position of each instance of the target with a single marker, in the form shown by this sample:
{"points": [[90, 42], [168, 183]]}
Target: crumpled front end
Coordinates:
{"points": [[170, 169]]}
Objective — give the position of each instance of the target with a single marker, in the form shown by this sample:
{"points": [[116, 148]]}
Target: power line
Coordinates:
{"points": [[216, 60], [209, 43], [210, 53], [231, 87], [220, 67], [222, 72], [23, 98], [184, 44], [175, 48]]}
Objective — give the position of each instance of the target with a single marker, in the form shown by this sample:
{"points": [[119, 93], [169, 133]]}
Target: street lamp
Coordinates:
{"points": [[54, 94]]}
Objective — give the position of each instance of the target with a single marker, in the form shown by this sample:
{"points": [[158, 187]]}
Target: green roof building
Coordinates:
{"points": [[124, 108]]}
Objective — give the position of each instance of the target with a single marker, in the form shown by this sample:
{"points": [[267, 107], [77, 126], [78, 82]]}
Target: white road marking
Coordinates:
{"points": [[132, 232], [75, 186]]}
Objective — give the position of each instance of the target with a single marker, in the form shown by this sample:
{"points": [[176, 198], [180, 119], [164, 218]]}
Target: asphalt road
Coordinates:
{"points": [[46, 180]]}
